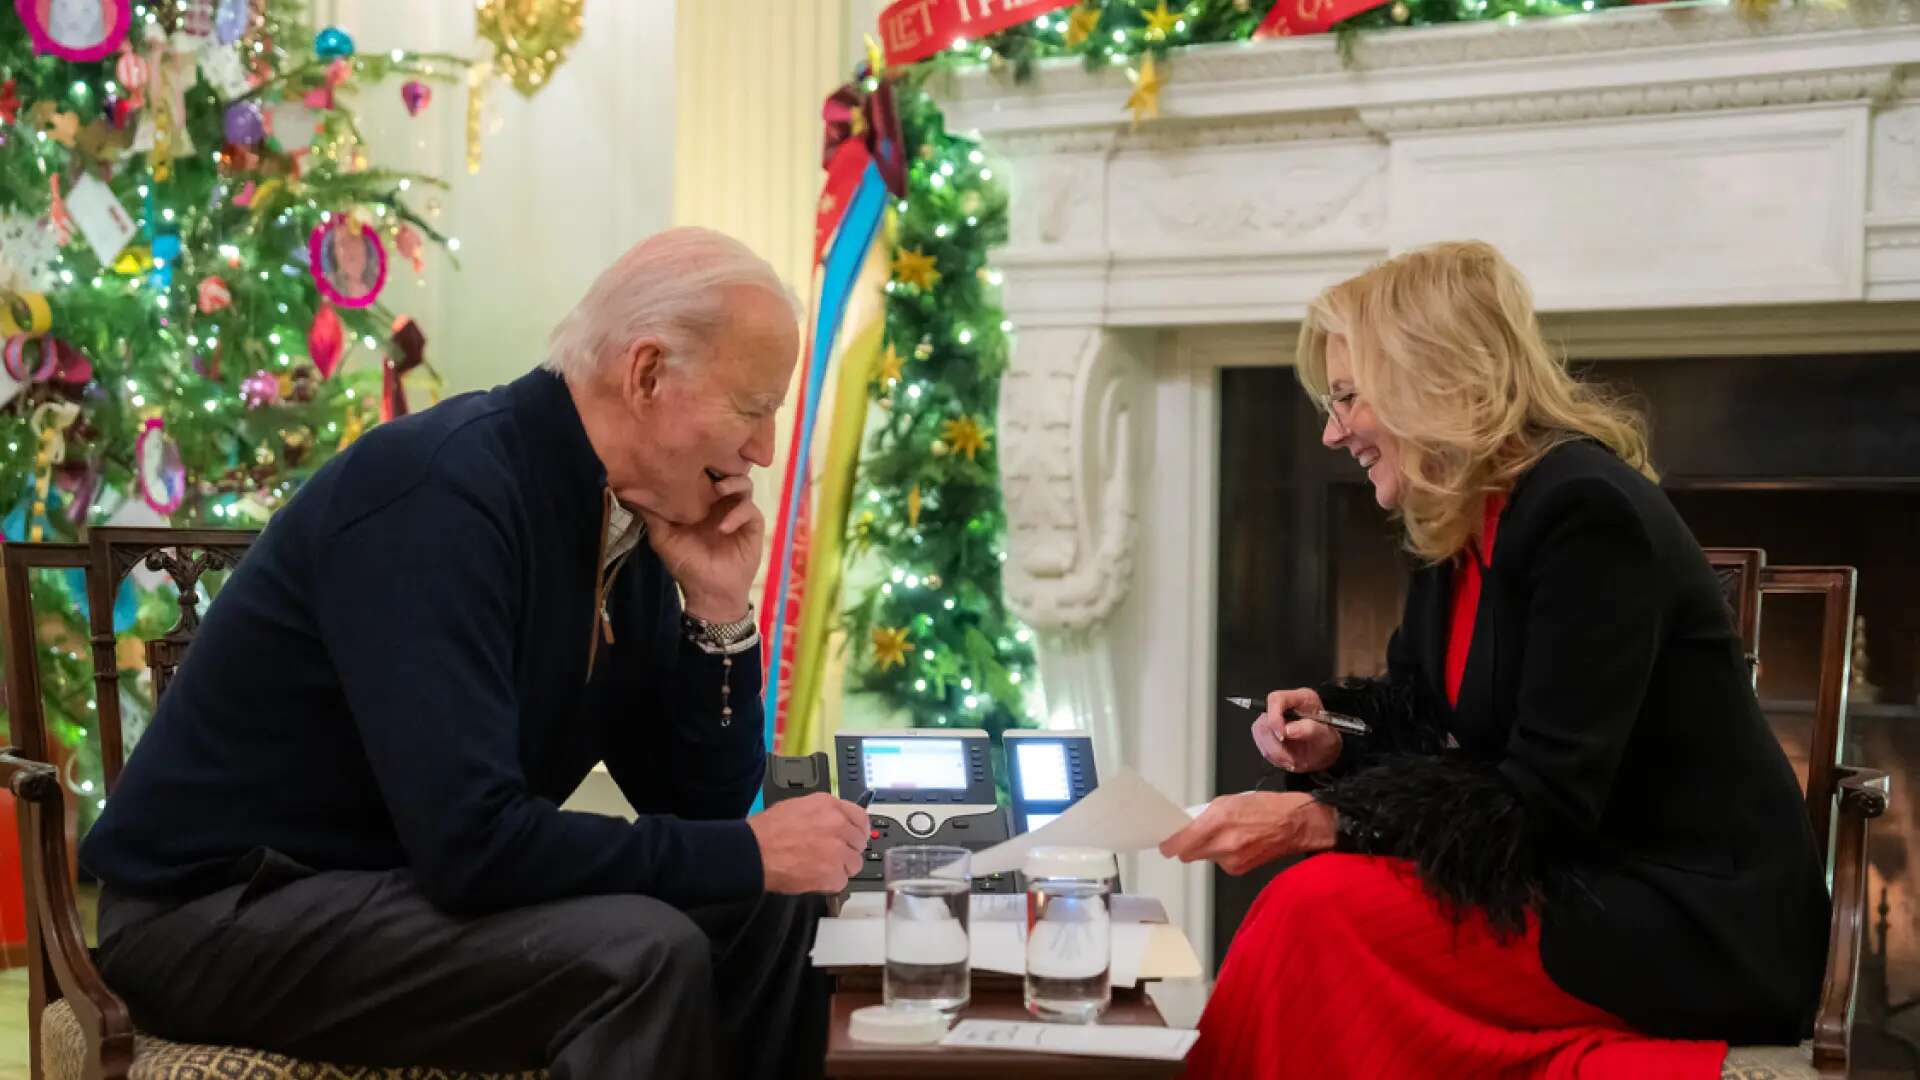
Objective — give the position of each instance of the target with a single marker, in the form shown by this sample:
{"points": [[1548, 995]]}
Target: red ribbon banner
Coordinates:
{"points": [[1290, 17], [912, 30]]}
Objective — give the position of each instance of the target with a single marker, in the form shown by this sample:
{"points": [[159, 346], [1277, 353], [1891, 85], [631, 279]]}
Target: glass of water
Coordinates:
{"points": [[1069, 933], [928, 889]]}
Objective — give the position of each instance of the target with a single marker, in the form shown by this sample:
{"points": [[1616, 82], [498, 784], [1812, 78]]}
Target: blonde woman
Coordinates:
{"points": [[1570, 847]]}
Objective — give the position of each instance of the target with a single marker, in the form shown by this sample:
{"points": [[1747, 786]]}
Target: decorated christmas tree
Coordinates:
{"points": [[935, 639], [193, 246]]}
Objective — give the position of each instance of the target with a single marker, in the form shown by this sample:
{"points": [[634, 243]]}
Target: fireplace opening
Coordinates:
{"points": [[1814, 459]]}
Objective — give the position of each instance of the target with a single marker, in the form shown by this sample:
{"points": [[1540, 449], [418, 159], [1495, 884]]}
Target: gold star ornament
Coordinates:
{"points": [[913, 267], [890, 367], [1161, 22], [1145, 99], [965, 436], [890, 644], [1081, 25]]}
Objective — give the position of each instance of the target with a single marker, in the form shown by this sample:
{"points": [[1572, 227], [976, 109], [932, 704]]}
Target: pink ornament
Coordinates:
{"points": [[408, 241], [417, 95], [319, 97], [245, 198], [213, 295], [326, 339], [132, 70], [259, 390], [338, 72]]}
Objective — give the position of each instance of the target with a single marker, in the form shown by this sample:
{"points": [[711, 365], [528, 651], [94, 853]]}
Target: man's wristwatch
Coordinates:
{"points": [[723, 639]]}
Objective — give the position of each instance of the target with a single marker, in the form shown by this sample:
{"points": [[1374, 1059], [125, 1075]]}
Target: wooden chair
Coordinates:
{"points": [[1841, 799], [79, 1029]]}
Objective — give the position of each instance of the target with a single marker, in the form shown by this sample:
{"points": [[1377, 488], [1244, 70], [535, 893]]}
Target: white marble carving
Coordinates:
{"points": [[1068, 417]]}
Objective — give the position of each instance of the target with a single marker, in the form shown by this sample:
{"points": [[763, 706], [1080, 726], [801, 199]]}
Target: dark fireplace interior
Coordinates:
{"points": [[1814, 458]]}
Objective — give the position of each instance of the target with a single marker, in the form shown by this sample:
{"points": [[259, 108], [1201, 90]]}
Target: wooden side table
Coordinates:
{"points": [[851, 1060]]}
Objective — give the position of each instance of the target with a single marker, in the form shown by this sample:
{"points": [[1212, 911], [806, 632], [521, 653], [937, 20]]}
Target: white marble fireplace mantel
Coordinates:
{"points": [[1672, 180]]}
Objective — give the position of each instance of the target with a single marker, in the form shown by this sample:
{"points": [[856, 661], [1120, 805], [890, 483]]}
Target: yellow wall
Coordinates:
{"points": [[751, 76]]}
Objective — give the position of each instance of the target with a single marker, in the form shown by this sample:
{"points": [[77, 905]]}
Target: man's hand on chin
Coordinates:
{"points": [[714, 560]]}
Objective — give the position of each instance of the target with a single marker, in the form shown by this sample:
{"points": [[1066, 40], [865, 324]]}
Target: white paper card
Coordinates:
{"points": [[1123, 814], [101, 219], [1119, 1041]]}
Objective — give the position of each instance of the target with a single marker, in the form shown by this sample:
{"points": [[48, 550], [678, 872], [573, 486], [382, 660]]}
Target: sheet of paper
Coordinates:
{"points": [[1120, 1041], [1123, 814]]}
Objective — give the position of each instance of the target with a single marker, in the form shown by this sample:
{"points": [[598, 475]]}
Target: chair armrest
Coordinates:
{"points": [[53, 920], [1863, 795]]}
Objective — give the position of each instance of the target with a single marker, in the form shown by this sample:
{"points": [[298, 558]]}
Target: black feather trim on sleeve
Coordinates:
{"points": [[1458, 821], [1404, 718]]}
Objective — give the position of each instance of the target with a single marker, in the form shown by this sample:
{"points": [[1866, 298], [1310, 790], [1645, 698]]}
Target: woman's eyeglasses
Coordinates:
{"points": [[1340, 407]]}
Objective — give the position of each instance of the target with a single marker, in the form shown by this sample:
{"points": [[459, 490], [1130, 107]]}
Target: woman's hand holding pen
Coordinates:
{"points": [[1303, 746]]}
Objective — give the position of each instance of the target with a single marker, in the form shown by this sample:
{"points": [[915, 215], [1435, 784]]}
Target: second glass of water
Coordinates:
{"points": [[1069, 933], [928, 890]]}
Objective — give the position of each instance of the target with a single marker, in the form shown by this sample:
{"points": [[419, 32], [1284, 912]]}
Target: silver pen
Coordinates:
{"points": [[1334, 720]]}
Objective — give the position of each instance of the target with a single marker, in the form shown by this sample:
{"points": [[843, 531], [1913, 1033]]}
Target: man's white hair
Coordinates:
{"points": [[672, 287]]}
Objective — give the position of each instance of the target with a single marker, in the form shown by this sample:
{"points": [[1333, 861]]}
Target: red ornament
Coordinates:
{"points": [[9, 101], [326, 339], [71, 366], [213, 295]]}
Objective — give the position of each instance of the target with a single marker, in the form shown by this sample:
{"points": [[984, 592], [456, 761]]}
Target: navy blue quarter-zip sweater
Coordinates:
{"points": [[398, 676]]}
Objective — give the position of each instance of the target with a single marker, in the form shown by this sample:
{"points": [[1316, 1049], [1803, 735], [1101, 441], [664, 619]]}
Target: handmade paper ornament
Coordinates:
{"points": [[158, 469], [78, 30]]}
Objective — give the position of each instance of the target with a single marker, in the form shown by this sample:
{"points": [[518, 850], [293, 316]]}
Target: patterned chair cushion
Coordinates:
{"points": [[1770, 1063], [63, 1046]]}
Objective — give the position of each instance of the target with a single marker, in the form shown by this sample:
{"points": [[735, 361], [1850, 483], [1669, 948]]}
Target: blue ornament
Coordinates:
{"points": [[166, 252], [331, 43]]}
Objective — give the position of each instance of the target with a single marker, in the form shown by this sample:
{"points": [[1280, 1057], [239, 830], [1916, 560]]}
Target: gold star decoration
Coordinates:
{"points": [[63, 128], [1081, 25], [965, 436], [911, 266], [1145, 99], [890, 366], [1160, 21], [890, 645]]}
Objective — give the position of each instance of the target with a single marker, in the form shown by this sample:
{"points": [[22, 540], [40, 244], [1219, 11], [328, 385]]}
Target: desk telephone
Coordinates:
{"points": [[937, 787]]}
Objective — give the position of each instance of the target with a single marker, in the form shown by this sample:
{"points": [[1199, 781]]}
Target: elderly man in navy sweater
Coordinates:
{"points": [[341, 838]]}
